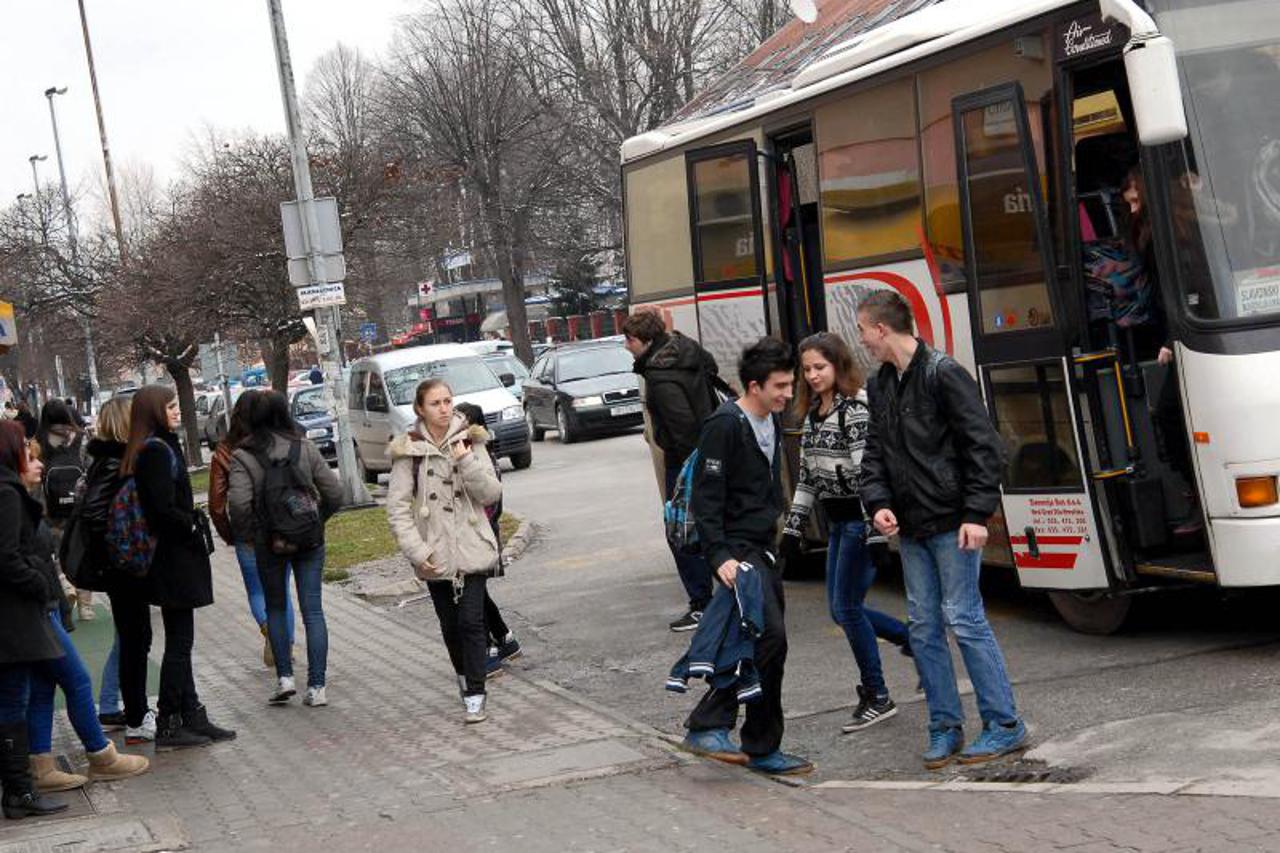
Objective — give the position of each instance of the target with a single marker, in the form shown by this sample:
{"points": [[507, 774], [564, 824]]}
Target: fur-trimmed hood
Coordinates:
{"points": [[418, 442]]}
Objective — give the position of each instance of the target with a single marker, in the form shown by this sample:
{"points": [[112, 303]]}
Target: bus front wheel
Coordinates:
{"points": [[1096, 612]]}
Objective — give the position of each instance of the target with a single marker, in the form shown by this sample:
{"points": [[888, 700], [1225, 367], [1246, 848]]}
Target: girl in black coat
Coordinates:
{"points": [[180, 579], [28, 586]]}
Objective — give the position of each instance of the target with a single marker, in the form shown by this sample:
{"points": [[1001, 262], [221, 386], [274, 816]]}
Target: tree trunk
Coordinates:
{"points": [[181, 374], [275, 355], [512, 275]]}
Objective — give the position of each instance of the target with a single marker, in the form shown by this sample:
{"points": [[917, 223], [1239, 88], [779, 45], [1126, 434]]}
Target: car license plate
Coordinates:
{"points": [[628, 409]]}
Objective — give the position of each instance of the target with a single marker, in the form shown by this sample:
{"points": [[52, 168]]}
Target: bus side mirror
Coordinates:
{"points": [[1157, 94]]}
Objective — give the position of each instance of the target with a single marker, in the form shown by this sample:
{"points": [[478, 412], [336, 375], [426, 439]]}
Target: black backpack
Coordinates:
{"points": [[288, 505], [63, 471]]}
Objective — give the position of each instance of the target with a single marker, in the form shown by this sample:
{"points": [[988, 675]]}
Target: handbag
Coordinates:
{"points": [[205, 529]]}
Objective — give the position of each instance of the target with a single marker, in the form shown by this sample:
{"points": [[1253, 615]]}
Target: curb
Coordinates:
{"points": [[519, 541]]}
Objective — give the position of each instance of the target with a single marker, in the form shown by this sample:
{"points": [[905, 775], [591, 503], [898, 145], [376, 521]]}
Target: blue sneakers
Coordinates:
{"points": [[996, 740], [492, 664], [714, 743], [780, 763], [943, 745], [509, 649]]}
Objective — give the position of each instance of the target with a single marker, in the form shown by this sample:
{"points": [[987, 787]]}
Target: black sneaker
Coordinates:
{"points": [[509, 648], [113, 722], [688, 622], [171, 733], [870, 710]]}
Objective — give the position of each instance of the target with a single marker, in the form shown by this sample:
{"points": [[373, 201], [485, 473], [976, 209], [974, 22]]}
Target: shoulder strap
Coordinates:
{"points": [[295, 451]]}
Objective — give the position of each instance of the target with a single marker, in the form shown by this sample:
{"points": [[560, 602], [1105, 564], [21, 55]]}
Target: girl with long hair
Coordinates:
{"points": [[180, 579], [833, 404], [436, 508], [238, 432]]}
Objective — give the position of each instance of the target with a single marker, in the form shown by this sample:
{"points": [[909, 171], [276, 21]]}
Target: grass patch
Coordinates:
{"points": [[200, 481], [356, 537]]}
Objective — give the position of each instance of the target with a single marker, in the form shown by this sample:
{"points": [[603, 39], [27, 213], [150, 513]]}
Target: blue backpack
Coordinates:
{"points": [[130, 546], [677, 511]]}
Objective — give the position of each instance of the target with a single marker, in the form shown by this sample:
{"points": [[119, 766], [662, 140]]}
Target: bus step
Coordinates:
{"points": [[1191, 569]]}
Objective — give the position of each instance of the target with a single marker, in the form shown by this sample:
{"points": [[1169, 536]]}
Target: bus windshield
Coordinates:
{"points": [[1225, 191]]}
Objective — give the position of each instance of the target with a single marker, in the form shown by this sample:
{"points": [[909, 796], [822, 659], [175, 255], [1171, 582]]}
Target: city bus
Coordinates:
{"points": [[973, 155]]}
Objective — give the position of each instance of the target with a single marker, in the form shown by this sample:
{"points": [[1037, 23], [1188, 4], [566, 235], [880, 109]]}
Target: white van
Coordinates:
{"points": [[380, 400]]}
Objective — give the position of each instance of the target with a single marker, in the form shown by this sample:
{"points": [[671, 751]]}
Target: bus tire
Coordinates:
{"points": [[1098, 613]]}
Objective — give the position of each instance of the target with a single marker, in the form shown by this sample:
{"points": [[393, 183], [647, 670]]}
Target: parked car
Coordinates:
{"points": [[503, 362], [306, 404], [380, 401], [215, 424], [490, 346], [582, 388], [204, 399]]}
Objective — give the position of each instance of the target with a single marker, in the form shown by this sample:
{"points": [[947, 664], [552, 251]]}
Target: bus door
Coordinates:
{"points": [[1027, 373], [797, 302], [728, 249]]}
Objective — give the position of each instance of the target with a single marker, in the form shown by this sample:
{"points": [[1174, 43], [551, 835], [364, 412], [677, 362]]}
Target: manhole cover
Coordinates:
{"points": [[1027, 772]]}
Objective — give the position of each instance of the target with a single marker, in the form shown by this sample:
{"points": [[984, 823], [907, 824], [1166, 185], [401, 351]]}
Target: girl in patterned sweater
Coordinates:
{"points": [[834, 407]]}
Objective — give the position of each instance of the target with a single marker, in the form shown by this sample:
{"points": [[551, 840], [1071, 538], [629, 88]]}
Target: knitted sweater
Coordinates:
{"points": [[830, 462]]}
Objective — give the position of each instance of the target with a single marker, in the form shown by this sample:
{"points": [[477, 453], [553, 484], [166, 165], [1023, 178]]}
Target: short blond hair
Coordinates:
{"points": [[113, 420]]}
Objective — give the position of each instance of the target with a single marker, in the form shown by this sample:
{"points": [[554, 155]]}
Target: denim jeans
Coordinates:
{"points": [[15, 692], [850, 574], [109, 688], [69, 673], [942, 592], [695, 572], [308, 574], [247, 557]]}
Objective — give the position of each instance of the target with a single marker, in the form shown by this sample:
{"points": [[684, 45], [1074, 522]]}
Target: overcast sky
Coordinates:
{"points": [[166, 69]]}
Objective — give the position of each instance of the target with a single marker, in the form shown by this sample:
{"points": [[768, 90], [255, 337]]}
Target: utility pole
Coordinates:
{"points": [[106, 149], [327, 319], [86, 322]]}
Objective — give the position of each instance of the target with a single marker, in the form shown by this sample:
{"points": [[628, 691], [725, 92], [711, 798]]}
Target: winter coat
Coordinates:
{"points": [[678, 393], [435, 503], [831, 450], [932, 454], [180, 574], [737, 493], [101, 483], [28, 579], [219, 487], [246, 478]]}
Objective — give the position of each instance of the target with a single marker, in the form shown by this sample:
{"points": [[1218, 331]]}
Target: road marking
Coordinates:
{"points": [[1158, 787]]}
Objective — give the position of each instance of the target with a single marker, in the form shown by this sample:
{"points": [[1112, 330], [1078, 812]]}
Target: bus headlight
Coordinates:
{"points": [[1254, 492]]}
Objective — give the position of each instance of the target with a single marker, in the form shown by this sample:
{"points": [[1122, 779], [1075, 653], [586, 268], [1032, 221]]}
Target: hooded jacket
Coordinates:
{"points": [[28, 580], [677, 392], [435, 503]]}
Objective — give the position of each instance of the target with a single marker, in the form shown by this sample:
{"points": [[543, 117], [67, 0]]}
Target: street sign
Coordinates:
{"points": [[322, 295], [8, 329], [425, 288], [331, 266], [368, 332], [231, 365]]}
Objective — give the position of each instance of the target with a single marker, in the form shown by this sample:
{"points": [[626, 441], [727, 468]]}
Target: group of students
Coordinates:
{"points": [[912, 454]]}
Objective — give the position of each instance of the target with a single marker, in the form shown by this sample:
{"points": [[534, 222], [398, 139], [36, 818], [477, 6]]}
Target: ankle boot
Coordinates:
{"points": [[48, 776], [20, 798], [108, 765], [198, 722], [172, 733]]}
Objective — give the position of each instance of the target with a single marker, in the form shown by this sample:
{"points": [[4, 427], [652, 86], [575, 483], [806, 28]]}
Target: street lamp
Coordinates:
{"points": [[91, 356], [35, 176]]}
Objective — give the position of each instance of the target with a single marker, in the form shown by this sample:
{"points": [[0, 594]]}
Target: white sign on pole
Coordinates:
{"points": [[330, 236], [322, 295], [331, 268]]}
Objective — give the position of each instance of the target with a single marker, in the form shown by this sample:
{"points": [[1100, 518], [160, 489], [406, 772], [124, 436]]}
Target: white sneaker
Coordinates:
{"points": [[285, 690], [315, 697], [145, 733], [475, 708]]}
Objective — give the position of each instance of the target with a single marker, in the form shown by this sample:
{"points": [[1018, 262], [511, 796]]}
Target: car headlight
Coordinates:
{"points": [[318, 432], [512, 413], [583, 402]]}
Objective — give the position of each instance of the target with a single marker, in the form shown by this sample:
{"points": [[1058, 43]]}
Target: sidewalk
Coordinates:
{"points": [[390, 766]]}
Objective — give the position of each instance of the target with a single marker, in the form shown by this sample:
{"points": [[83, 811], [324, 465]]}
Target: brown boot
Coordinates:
{"points": [[49, 777], [108, 765], [268, 659]]}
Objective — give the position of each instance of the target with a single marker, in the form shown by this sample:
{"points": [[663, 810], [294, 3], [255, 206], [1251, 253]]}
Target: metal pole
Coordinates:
{"points": [[327, 319], [223, 381], [86, 324], [62, 385], [102, 134]]}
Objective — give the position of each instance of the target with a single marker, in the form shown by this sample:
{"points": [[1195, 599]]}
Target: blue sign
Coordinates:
{"points": [[368, 332]]}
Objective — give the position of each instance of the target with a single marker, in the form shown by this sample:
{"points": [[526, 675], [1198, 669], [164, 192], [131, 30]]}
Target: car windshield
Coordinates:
{"points": [[507, 364], [594, 361], [309, 402], [464, 375]]}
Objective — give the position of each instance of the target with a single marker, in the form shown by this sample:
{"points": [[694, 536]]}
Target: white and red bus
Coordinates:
{"points": [[970, 154]]}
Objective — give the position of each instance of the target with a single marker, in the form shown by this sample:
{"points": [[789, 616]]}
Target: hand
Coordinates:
{"points": [[1165, 356], [886, 522], [461, 449], [427, 568], [728, 572], [972, 537]]}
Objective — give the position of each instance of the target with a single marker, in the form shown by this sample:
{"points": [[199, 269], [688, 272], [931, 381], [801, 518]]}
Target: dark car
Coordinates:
{"points": [[583, 388], [308, 409]]}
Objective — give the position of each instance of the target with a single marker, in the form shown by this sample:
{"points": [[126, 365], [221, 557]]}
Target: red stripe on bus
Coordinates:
{"points": [[1048, 540], [908, 290], [728, 294], [1045, 561], [935, 272]]}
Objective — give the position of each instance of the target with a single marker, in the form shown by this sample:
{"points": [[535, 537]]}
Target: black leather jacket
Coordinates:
{"points": [[932, 455]]}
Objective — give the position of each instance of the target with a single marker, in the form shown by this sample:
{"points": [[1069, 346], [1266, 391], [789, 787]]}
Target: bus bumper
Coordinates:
{"points": [[1244, 551]]}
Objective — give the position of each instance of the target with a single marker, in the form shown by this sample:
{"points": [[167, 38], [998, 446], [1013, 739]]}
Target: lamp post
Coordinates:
{"points": [[86, 325], [35, 175], [102, 135]]}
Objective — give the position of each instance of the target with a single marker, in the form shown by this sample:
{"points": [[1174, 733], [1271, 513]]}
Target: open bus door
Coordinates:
{"points": [[1026, 370]]}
